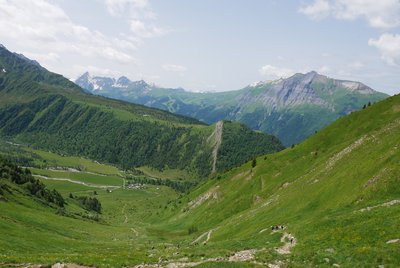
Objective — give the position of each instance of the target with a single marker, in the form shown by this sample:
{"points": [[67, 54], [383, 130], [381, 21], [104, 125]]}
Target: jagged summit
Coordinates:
{"points": [[292, 108], [123, 81], [103, 84]]}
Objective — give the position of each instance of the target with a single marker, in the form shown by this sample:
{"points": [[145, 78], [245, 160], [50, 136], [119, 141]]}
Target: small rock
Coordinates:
{"points": [[330, 250]]}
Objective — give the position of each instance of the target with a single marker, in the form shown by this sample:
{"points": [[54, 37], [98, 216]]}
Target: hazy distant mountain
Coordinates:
{"points": [[291, 108]]}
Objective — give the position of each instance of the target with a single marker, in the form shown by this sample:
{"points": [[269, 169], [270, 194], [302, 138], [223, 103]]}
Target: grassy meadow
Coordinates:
{"points": [[337, 194]]}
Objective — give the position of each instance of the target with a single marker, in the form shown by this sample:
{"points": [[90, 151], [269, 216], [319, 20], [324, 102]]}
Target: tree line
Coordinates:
{"points": [[23, 177]]}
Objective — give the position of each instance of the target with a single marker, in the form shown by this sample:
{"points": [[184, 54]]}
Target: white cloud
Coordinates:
{"points": [[174, 68], [379, 14], [389, 47], [140, 16], [117, 7], [43, 57], [46, 27], [275, 72], [146, 31], [317, 10]]}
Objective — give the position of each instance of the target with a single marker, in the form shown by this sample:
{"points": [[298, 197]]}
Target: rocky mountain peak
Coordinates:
{"points": [[84, 82], [123, 81], [85, 75]]}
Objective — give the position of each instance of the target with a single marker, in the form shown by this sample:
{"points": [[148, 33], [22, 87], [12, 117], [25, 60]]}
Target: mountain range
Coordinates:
{"points": [[48, 111], [331, 201], [291, 109]]}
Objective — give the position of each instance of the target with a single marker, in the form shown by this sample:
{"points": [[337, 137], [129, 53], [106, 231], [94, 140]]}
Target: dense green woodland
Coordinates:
{"points": [[23, 177]]}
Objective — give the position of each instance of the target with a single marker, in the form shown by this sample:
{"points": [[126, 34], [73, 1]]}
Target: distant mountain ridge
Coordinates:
{"points": [[46, 110], [291, 108]]}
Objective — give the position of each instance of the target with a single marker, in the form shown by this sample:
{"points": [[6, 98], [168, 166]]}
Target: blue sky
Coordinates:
{"points": [[209, 45]]}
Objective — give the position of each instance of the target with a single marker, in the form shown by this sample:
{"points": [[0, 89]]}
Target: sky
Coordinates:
{"points": [[209, 45]]}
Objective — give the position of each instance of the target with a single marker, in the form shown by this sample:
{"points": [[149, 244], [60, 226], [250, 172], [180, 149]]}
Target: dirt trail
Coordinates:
{"points": [[212, 193], [134, 231], [334, 159], [240, 256], [387, 204], [56, 265], [366, 138], [244, 255], [68, 265], [208, 234], [69, 169], [217, 135], [123, 213], [289, 242], [78, 182]]}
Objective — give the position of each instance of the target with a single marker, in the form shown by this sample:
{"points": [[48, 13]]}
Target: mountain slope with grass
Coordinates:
{"points": [[336, 194], [333, 200], [47, 111], [292, 108]]}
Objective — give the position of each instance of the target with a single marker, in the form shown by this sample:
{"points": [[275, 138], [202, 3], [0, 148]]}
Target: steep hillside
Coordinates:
{"points": [[336, 195], [46, 110], [292, 108]]}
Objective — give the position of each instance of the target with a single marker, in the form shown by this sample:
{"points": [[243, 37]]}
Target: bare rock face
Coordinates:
{"points": [[297, 90]]}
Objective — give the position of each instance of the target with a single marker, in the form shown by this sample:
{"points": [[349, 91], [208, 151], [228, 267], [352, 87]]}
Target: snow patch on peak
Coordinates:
{"points": [[351, 85], [256, 84], [357, 86], [259, 83], [119, 85]]}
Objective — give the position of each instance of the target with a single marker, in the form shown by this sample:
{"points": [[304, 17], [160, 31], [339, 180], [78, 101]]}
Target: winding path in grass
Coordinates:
{"points": [[206, 234], [124, 213], [289, 242], [78, 182]]}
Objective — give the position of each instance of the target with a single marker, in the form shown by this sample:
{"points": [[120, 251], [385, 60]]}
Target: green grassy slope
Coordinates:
{"points": [[320, 190], [337, 194], [36, 234], [46, 110]]}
